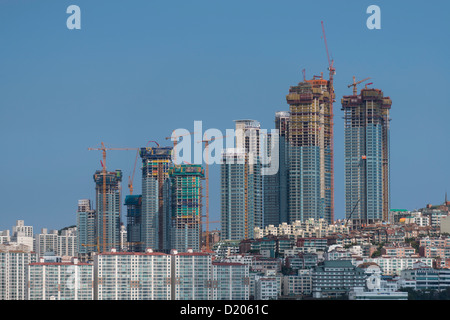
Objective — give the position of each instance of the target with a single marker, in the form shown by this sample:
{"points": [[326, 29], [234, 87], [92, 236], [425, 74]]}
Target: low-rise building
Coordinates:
{"points": [[336, 278]]}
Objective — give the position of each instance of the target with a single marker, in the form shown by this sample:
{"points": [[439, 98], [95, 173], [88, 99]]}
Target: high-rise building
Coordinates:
{"points": [[155, 186], [14, 273], [242, 184], [108, 201], [132, 275], [191, 275], [310, 154], [366, 121], [276, 185], [134, 221], [22, 234], [186, 207], [230, 281], [86, 228]]}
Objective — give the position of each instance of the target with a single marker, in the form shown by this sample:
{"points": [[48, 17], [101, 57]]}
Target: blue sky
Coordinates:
{"points": [[139, 69]]}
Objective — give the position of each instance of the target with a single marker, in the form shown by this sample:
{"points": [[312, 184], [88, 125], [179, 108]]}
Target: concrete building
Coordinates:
{"points": [[335, 279], [266, 288], [298, 285], [426, 277]]}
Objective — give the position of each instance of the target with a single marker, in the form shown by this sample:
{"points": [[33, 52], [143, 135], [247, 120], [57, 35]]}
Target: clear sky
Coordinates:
{"points": [[136, 70]]}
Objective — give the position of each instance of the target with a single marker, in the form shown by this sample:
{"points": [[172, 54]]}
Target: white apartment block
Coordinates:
{"points": [[132, 276], [26, 231], [192, 275], [13, 273], [309, 228], [64, 244], [60, 281], [393, 266], [230, 281]]}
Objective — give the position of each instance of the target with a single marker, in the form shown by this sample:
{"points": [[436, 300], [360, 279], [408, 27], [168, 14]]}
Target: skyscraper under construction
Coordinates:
{"points": [[366, 121], [108, 208], [186, 207], [154, 211], [310, 151]]}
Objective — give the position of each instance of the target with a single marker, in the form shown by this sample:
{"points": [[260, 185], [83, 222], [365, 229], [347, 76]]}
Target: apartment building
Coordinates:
{"points": [[60, 280]]}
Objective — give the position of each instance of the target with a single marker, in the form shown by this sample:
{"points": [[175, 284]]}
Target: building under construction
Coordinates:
{"points": [[134, 221], [366, 121], [310, 151], [108, 208], [155, 180], [186, 207]]}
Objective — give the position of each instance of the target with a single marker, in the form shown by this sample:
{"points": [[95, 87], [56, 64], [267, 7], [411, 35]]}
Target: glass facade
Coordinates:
{"points": [[366, 154]]}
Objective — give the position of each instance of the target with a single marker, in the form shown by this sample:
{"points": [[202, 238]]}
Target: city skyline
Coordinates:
{"points": [[216, 64]]}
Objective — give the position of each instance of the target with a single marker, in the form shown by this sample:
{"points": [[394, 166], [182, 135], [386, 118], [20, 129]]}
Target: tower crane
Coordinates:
{"points": [[354, 84], [332, 72], [207, 142], [175, 142], [104, 149], [131, 178]]}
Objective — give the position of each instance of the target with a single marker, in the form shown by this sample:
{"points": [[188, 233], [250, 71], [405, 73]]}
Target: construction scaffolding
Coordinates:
{"points": [[186, 206], [310, 154]]}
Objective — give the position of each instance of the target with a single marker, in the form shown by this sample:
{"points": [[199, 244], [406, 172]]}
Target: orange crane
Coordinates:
{"points": [[207, 235], [103, 149], [131, 179], [207, 142], [332, 72], [175, 142], [354, 84]]}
